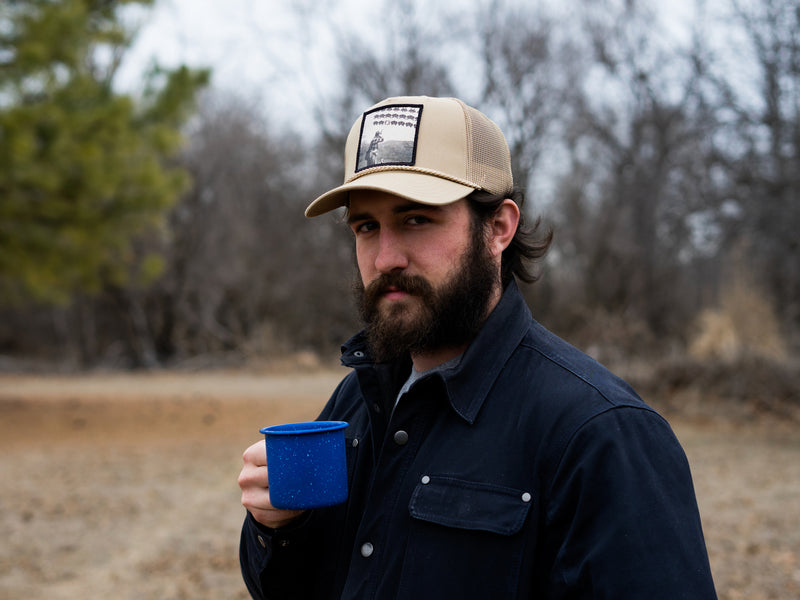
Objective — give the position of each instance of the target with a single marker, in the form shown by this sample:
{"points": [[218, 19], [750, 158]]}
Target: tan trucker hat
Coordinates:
{"points": [[429, 150]]}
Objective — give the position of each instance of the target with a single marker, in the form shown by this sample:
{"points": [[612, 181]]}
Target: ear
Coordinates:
{"points": [[503, 226]]}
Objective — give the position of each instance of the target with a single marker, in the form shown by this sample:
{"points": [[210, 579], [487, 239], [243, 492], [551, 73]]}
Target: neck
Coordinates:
{"points": [[429, 360]]}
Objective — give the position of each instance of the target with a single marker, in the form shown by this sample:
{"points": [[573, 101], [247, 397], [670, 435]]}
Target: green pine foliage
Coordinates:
{"points": [[83, 170]]}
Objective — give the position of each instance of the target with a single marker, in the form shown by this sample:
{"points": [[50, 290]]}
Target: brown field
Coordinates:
{"points": [[124, 486]]}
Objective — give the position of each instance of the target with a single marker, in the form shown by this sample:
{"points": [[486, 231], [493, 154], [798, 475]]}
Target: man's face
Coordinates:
{"points": [[426, 275]]}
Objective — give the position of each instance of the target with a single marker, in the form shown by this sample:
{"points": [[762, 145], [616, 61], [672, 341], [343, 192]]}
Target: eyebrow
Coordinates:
{"points": [[397, 210]]}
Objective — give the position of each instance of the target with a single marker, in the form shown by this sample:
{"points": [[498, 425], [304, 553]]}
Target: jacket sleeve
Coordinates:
{"points": [[272, 560], [622, 518], [286, 562]]}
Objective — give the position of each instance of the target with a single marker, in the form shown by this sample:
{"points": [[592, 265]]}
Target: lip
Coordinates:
{"points": [[393, 293]]}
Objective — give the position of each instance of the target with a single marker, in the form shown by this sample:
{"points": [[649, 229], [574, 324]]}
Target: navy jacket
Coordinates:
{"points": [[529, 471]]}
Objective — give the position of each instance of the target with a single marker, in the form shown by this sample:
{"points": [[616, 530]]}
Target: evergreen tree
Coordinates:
{"points": [[83, 170]]}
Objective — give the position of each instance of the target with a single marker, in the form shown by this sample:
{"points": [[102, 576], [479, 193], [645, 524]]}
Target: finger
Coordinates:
{"points": [[256, 454], [257, 502], [268, 515], [256, 499], [255, 477]]}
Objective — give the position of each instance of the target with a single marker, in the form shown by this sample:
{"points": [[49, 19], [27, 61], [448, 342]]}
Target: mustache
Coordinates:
{"points": [[416, 285], [368, 299]]}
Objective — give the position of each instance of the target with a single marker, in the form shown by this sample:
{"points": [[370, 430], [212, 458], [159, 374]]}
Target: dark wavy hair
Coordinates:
{"points": [[529, 245]]}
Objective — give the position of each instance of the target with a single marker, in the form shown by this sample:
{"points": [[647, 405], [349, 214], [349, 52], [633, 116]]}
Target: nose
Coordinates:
{"points": [[391, 255]]}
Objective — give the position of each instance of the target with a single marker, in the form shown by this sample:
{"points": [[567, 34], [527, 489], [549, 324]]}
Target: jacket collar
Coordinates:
{"points": [[468, 385]]}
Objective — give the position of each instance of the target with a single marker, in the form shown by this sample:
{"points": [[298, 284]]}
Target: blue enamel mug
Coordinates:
{"points": [[307, 464]]}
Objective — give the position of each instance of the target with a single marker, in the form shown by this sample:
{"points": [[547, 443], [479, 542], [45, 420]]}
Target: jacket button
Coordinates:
{"points": [[400, 438], [425, 480], [262, 542], [366, 550], [526, 497]]}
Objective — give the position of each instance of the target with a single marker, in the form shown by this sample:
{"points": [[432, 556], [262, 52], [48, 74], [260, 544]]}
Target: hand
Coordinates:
{"points": [[254, 482]]}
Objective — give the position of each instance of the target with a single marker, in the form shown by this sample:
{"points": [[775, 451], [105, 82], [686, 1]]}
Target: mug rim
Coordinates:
{"points": [[303, 427]]}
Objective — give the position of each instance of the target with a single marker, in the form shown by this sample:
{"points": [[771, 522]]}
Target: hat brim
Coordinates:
{"points": [[418, 187]]}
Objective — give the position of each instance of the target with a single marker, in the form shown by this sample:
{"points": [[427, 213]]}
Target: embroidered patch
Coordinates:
{"points": [[389, 136]]}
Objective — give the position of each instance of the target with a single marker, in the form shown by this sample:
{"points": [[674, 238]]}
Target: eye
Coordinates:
{"points": [[417, 220], [364, 227]]}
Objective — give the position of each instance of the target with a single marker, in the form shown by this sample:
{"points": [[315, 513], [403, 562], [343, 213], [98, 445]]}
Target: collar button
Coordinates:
{"points": [[400, 437]]}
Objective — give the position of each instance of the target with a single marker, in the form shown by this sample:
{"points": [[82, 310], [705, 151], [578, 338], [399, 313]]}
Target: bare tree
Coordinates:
{"points": [[528, 74], [243, 263], [763, 146], [401, 57], [641, 130], [651, 156]]}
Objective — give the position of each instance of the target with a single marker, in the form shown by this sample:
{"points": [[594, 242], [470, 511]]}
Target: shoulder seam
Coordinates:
{"points": [[562, 363]]}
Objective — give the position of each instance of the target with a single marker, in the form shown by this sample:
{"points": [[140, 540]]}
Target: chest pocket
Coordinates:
{"points": [[470, 505], [466, 540]]}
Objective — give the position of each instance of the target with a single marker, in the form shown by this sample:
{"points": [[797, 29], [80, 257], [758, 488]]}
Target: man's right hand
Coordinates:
{"points": [[254, 483]]}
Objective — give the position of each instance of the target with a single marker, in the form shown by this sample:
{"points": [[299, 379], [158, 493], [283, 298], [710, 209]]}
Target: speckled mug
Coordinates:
{"points": [[307, 464]]}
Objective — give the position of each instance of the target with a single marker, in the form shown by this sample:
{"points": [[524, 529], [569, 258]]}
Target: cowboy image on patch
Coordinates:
{"points": [[389, 136]]}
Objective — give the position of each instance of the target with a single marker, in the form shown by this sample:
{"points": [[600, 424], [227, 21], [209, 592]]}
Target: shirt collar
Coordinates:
{"points": [[468, 384]]}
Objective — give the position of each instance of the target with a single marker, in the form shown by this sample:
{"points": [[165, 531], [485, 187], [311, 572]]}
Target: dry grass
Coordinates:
{"points": [[744, 325]]}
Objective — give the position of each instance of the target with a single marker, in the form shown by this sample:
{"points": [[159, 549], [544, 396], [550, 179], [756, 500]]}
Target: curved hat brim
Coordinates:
{"points": [[418, 187]]}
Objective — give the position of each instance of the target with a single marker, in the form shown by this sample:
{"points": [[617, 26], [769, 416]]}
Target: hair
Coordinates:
{"points": [[529, 244]]}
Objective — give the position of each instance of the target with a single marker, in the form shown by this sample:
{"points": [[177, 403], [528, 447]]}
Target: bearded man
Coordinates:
{"points": [[487, 458]]}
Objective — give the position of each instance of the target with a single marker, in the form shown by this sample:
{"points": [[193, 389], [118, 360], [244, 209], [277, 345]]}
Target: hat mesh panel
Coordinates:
{"points": [[487, 160]]}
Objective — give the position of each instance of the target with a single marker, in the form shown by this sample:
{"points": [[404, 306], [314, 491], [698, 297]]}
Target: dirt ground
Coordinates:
{"points": [[124, 486]]}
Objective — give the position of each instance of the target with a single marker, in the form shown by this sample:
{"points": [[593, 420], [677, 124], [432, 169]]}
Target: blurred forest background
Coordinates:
{"points": [[165, 228]]}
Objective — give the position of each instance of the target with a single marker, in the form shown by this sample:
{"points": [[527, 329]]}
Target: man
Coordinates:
{"points": [[487, 458]]}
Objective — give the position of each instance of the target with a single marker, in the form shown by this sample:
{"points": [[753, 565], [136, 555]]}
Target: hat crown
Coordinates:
{"points": [[451, 139], [432, 150]]}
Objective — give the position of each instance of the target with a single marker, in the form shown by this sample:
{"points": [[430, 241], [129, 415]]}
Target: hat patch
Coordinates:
{"points": [[389, 136]]}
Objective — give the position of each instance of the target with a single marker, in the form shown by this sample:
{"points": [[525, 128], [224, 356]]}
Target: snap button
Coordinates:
{"points": [[358, 354], [262, 542], [526, 497], [366, 550], [400, 437], [425, 480], [355, 442]]}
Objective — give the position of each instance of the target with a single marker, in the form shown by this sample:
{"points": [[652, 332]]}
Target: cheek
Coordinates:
{"points": [[448, 256], [366, 265]]}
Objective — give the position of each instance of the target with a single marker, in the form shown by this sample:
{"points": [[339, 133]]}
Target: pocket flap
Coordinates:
{"points": [[470, 505]]}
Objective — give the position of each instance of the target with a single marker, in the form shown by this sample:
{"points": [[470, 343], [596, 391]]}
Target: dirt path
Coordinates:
{"points": [[124, 486]]}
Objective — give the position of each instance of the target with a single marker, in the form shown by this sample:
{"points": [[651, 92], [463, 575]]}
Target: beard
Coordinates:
{"points": [[448, 315]]}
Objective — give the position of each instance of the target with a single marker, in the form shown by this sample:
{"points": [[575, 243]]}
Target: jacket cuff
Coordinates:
{"points": [[260, 546], [267, 537]]}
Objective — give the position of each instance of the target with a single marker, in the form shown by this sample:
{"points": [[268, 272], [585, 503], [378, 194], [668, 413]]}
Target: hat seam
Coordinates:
{"points": [[467, 136]]}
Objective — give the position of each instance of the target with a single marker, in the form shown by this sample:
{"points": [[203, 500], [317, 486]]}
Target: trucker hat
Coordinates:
{"points": [[429, 150]]}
